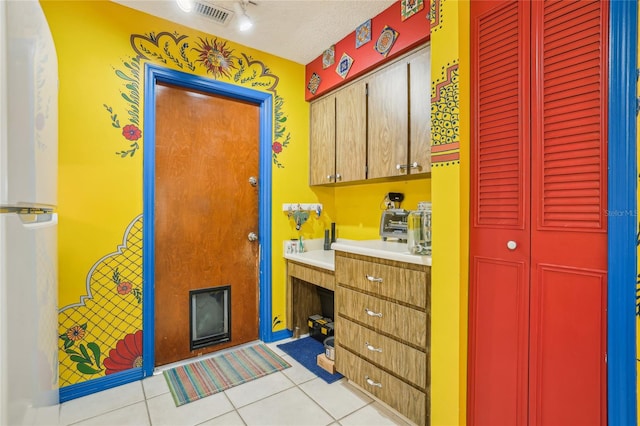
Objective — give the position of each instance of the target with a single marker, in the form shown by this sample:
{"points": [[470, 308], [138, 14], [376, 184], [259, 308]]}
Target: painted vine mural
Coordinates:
{"points": [[215, 58], [102, 334]]}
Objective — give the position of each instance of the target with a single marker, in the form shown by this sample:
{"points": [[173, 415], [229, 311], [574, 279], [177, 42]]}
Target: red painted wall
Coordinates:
{"points": [[412, 32]]}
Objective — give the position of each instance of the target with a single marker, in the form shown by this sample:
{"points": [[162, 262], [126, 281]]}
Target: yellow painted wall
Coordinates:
{"points": [[450, 197], [100, 191]]}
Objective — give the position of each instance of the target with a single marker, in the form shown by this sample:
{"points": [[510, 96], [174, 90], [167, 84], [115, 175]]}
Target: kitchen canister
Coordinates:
{"points": [[329, 349], [419, 229]]}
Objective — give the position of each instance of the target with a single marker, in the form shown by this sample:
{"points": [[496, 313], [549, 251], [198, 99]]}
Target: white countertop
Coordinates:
{"points": [[391, 250]]}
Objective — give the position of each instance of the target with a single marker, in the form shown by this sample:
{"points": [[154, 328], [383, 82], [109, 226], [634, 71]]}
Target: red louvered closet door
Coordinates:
{"points": [[538, 249], [499, 293]]}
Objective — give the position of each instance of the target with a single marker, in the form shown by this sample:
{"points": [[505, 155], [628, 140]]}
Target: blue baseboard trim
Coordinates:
{"points": [[279, 335], [89, 387]]}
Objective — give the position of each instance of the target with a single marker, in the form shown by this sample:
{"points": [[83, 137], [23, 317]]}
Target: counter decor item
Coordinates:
{"points": [[327, 241]]}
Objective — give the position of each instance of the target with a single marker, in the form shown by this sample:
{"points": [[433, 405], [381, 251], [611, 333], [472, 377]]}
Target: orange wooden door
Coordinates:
{"points": [[500, 217], [537, 307], [206, 150]]}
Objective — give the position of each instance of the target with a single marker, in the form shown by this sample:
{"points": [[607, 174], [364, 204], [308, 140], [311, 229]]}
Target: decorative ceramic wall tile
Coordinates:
{"points": [[409, 8], [385, 42], [329, 57], [363, 34], [344, 65], [314, 83]]}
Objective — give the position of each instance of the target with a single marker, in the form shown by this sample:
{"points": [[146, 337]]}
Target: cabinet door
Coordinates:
{"points": [[420, 111], [388, 124], [322, 145], [351, 133]]}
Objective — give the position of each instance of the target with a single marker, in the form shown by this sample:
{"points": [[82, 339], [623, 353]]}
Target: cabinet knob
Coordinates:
{"points": [[373, 314], [373, 279], [338, 177], [415, 165], [372, 348], [372, 383], [329, 178], [511, 245]]}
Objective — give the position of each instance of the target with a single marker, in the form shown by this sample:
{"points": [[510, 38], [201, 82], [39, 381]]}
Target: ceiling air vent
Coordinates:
{"points": [[213, 12]]}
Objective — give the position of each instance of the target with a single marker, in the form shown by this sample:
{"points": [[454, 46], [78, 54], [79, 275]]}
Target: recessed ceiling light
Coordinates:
{"points": [[244, 22], [185, 5]]}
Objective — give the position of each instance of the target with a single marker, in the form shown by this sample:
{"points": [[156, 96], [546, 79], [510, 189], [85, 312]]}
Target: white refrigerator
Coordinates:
{"points": [[28, 218]]}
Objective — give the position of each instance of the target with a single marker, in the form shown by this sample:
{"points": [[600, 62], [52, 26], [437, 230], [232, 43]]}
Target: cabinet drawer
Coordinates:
{"points": [[405, 285], [402, 360], [396, 320], [402, 397]]}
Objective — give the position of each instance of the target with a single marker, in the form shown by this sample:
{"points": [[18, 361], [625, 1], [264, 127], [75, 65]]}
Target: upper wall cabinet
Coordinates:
{"points": [[322, 148], [351, 132], [376, 127], [338, 147], [399, 117]]}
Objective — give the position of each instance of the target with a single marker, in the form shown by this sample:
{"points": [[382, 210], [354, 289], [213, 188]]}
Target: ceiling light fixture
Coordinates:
{"points": [[244, 22], [185, 5]]}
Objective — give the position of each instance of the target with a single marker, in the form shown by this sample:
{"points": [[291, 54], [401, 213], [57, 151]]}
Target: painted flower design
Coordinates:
{"points": [[126, 355], [76, 333], [215, 57], [131, 132], [277, 147], [124, 288]]}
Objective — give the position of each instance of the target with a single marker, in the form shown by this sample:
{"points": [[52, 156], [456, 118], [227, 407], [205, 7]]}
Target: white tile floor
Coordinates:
{"points": [[294, 396]]}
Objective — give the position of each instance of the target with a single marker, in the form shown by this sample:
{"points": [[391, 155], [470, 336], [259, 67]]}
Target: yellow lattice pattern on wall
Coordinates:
{"points": [[111, 310]]}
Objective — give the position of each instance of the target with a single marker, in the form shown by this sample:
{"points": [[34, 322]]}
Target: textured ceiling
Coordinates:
{"points": [[298, 30]]}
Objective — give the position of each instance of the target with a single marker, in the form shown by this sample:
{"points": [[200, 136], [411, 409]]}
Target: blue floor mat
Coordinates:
{"points": [[305, 351]]}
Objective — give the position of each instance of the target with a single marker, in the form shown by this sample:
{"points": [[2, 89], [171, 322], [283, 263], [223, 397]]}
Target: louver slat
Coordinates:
{"points": [[573, 148], [499, 158]]}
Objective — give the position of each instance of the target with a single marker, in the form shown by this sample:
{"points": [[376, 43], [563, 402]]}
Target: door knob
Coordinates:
{"points": [[252, 236], [253, 181], [511, 245]]}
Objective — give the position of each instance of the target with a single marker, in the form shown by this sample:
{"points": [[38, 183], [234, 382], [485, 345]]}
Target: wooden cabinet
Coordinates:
{"points": [[419, 112], [400, 117], [338, 146], [322, 147], [351, 133], [376, 127], [383, 330]]}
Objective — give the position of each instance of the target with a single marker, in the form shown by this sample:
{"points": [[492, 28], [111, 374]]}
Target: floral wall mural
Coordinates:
{"points": [[218, 61], [94, 334]]}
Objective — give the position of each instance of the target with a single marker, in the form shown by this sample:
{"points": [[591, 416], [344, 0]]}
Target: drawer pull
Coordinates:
{"points": [[372, 348], [373, 314], [373, 279], [371, 382]]}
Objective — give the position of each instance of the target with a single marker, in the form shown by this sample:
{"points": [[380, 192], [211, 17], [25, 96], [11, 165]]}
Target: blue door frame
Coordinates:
{"points": [[622, 213], [153, 75]]}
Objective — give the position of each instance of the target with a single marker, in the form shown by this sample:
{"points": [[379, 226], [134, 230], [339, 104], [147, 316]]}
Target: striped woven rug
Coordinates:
{"points": [[203, 378]]}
